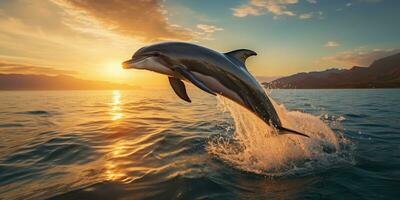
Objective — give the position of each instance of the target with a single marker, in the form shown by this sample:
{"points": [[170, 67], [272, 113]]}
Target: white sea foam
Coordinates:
{"points": [[254, 146]]}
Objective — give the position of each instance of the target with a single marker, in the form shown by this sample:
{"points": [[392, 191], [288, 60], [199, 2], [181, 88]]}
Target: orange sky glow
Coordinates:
{"points": [[89, 39]]}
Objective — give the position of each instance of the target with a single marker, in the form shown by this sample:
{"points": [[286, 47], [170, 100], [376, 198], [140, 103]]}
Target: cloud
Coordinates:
{"points": [[331, 44], [306, 15], [144, 19], [244, 10], [206, 31], [312, 1], [15, 68], [208, 28], [258, 7], [358, 57]]}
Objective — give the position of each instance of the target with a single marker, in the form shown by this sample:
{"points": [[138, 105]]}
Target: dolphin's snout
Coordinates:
{"points": [[127, 64]]}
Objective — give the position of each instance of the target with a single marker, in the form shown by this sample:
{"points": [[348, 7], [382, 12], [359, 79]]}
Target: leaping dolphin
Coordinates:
{"points": [[213, 72]]}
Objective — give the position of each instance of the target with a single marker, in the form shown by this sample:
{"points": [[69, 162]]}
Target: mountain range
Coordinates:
{"points": [[57, 82], [382, 73]]}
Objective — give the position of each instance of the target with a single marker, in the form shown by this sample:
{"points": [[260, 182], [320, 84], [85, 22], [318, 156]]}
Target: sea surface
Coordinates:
{"points": [[149, 144]]}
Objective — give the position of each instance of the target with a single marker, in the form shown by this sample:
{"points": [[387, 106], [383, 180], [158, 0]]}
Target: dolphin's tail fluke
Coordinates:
{"points": [[283, 130]]}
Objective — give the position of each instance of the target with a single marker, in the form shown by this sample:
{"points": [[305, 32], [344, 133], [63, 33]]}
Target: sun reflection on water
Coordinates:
{"points": [[113, 171], [116, 112]]}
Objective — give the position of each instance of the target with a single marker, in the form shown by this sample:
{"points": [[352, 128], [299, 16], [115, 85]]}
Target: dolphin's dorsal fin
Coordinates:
{"points": [[179, 87], [189, 76], [241, 55]]}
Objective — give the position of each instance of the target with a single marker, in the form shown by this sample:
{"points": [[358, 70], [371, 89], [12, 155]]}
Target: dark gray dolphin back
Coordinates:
{"points": [[228, 68]]}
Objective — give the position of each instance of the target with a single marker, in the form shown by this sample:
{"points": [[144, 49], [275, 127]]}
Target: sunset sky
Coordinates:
{"points": [[90, 38]]}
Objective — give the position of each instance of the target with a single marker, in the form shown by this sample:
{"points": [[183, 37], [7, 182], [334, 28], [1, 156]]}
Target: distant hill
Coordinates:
{"points": [[59, 82], [267, 78], [382, 73]]}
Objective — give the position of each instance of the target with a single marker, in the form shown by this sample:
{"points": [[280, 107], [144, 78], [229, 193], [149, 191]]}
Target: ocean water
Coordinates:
{"points": [[143, 144]]}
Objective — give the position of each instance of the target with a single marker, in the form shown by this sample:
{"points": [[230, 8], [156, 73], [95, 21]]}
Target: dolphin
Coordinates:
{"points": [[213, 72]]}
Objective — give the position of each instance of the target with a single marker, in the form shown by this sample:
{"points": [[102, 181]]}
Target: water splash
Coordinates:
{"points": [[254, 146]]}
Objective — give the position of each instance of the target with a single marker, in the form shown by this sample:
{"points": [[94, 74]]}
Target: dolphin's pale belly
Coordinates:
{"points": [[219, 88]]}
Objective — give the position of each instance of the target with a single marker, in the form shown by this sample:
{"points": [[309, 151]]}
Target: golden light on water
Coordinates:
{"points": [[113, 171], [116, 112]]}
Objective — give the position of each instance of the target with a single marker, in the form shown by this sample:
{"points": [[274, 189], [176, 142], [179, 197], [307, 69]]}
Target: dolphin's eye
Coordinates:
{"points": [[156, 54]]}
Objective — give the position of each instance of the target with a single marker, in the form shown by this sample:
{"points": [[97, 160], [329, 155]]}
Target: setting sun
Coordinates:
{"points": [[114, 69]]}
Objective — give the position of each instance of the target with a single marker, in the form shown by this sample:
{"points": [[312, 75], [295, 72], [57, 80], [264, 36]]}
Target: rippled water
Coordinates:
{"points": [[151, 145]]}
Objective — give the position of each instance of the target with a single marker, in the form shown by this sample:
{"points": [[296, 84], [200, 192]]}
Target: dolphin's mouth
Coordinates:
{"points": [[132, 63], [126, 64]]}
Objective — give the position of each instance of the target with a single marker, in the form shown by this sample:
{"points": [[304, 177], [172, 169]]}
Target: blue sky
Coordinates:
{"points": [[299, 44]]}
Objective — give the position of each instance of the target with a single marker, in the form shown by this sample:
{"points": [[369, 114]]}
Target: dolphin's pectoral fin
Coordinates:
{"points": [[283, 130], [179, 87], [189, 76], [241, 55]]}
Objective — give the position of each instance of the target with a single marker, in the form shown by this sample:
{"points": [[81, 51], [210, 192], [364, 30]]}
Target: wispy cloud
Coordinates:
{"points": [[206, 31], [306, 15], [145, 19], [245, 10], [208, 28], [258, 7], [331, 44], [16, 68], [358, 57], [275, 7]]}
